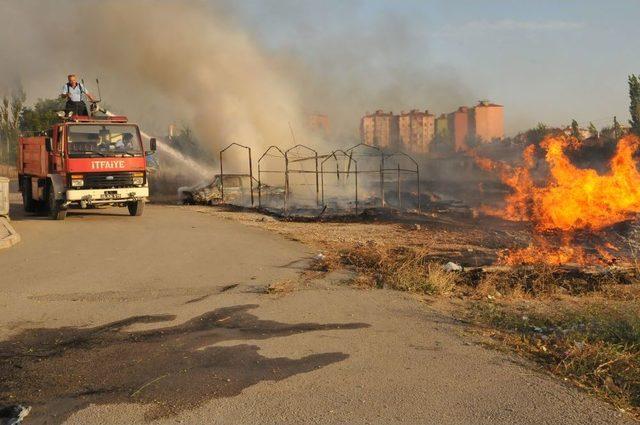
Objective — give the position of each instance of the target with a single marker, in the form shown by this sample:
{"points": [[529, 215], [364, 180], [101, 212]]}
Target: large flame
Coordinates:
{"points": [[581, 198], [571, 199]]}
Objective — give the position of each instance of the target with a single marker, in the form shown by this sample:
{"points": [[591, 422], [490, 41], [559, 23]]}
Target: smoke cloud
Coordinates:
{"points": [[203, 65], [161, 62]]}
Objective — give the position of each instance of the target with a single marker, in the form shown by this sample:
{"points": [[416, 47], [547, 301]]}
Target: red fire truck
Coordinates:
{"points": [[84, 161]]}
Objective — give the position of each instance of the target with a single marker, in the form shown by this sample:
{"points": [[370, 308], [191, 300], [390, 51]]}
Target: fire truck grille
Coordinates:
{"points": [[107, 180]]}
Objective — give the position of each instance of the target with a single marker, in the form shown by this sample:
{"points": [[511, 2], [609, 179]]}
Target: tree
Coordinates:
{"points": [[41, 116], [593, 131], [634, 103], [606, 133], [617, 128], [575, 129], [10, 113]]}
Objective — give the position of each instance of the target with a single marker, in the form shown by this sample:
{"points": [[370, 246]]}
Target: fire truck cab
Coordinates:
{"points": [[84, 161]]}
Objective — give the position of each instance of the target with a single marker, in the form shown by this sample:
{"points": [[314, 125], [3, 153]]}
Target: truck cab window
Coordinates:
{"points": [[89, 140]]}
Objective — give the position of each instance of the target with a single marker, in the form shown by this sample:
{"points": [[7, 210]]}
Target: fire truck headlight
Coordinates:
{"points": [[77, 181], [138, 181]]}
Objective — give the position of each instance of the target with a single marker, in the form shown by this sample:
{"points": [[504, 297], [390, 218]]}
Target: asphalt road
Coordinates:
{"points": [[164, 319]]}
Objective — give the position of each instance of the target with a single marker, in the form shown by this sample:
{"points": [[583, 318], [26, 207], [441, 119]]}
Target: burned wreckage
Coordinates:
{"points": [[233, 188]]}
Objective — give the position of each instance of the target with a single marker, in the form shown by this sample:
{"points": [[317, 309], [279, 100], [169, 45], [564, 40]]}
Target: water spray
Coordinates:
{"points": [[189, 163]]}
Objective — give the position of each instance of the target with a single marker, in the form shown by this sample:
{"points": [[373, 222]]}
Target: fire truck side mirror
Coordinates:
{"points": [[152, 144], [48, 144]]}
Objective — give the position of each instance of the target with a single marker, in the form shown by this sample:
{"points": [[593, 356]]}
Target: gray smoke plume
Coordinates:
{"points": [[202, 64], [160, 61]]}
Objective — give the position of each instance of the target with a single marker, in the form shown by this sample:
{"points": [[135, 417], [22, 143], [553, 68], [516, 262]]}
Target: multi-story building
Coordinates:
{"points": [[458, 123], [442, 128], [416, 131], [380, 129], [487, 121]]}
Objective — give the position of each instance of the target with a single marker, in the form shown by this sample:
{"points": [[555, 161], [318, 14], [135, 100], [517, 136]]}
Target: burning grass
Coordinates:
{"points": [[569, 199]]}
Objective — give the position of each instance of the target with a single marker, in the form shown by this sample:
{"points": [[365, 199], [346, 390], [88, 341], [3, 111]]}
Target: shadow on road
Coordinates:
{"points": [[60, 371]]}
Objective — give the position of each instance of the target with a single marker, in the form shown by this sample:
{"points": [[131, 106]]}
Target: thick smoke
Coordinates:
{"points": [[203, 65], [160, 62]]}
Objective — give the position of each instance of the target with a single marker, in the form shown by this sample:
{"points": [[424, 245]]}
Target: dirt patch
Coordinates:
{"points": [[442, 236], [60, 371]]}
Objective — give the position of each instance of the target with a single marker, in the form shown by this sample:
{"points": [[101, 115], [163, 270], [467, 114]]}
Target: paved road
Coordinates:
{"points": [[164, 319]]}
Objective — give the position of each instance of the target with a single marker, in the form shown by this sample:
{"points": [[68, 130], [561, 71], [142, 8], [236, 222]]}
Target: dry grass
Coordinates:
{"points": [[430, 279], [401, 269], [596, 344], [585, 328], [546, 280]]}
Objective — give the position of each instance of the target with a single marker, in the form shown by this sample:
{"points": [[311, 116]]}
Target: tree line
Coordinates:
{"points": [[18, 119]]}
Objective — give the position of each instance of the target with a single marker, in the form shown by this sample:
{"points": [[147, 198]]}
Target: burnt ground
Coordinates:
{"points": [[175, 368], [449, 230]]}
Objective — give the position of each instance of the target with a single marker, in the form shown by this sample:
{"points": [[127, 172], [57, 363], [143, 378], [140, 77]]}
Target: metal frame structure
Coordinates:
{"points": [[352, 155], [376, 152]]}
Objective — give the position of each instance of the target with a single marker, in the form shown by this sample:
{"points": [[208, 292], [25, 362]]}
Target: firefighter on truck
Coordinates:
{"points": [[74, 91]]}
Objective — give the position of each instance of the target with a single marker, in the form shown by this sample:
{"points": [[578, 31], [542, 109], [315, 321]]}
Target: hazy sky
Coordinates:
{"points": [[262, 64], [546, 61]]}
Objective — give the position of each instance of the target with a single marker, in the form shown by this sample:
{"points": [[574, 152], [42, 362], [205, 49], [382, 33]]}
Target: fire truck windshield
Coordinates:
{"points": [[89, 140]]}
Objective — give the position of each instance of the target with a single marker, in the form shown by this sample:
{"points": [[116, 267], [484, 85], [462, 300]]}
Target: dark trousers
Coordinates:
{"points": [[76, 108]]}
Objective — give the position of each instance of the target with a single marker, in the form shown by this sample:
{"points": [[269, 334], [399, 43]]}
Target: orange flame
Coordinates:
{"points": [[518, 203], [583, 199], [572, 198]]}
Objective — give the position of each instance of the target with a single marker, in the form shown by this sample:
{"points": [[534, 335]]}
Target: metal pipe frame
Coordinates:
{"points": [[261, 171], [378, 153], [335, 156], [287, 159], [399, 170], [250, 170]]}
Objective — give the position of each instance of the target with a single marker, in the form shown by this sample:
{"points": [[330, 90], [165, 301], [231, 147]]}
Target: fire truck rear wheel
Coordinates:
{"points": [[28, 202], [136, 208], [54, 206]]}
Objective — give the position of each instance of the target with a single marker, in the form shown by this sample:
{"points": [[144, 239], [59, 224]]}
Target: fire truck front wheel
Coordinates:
{"points": [[136, 208], [54, 207]]}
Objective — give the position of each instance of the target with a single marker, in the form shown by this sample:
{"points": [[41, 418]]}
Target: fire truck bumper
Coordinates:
{"points": [[107, 196]]}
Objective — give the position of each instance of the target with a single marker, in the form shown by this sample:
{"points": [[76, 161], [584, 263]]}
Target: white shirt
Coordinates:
{"points": [[75, 93]]}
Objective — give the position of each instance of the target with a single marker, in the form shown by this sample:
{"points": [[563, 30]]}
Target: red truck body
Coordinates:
{"points": [[84, 161]]}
